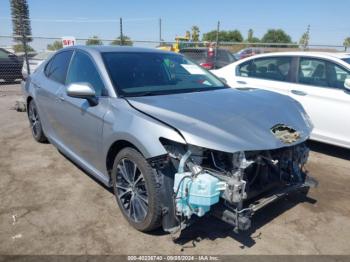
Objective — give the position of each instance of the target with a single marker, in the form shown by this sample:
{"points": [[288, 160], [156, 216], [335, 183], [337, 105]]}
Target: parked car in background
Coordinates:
{"points": [[172, 140], [10, 66], [205, 56], [319, 81], [247, 52], [35, 61]]}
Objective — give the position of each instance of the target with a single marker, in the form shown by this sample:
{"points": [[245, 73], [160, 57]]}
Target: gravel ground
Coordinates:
{"points": [[49, 206]]}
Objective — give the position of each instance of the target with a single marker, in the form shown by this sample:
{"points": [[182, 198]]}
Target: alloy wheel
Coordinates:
{"points": [[131, 190], [34, 120]]}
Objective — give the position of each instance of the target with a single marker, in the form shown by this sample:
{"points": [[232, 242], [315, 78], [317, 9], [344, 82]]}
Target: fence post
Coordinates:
{"points": [[121, 31], [24, 43]]}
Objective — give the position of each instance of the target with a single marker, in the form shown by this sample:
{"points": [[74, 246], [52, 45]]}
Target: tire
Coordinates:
{"points": [[136, 190], [35, 123], [10, 80]]}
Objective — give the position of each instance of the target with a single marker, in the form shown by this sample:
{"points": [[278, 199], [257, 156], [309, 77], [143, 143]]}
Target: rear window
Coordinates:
{"points": [[196, 55]]}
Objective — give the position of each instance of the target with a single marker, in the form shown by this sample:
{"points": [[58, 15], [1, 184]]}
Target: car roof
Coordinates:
{"points": [[339, 55], [118, 49]]}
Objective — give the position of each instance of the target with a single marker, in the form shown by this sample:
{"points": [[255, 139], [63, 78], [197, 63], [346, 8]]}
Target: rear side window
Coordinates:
{"points": [[83, 70], [271, 68], [317, 72], [57, 68]]}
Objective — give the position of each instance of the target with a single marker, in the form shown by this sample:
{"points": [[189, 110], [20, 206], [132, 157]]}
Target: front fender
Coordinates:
{"points": [[123, 122]]}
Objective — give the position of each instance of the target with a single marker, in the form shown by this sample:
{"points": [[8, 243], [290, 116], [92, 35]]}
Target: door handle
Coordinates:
{"points": [[298, 92], [241, 82]]}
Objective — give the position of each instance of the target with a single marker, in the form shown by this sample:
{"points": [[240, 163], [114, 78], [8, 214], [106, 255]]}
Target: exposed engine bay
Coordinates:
{"points": [[231, 186]]}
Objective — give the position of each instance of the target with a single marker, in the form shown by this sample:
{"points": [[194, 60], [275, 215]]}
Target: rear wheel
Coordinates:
{"points": [[35, 123], [10, 80], [136, 190]]}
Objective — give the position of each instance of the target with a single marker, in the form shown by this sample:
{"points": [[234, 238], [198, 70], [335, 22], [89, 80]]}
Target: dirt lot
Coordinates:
{"points": [[49, 206]]}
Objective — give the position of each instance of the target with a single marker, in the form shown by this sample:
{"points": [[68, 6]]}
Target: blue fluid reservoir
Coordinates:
{"points": [[196, 195]]}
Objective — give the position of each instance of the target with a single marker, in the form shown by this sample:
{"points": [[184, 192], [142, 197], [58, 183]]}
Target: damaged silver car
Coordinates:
{"points": [[173, 141]]}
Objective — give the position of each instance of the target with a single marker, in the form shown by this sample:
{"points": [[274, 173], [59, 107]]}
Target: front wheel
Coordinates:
{"points": [[35, 123], [136, 190]]}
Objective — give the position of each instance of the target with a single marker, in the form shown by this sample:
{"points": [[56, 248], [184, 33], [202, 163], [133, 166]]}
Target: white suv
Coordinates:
{"points": [[319, 81]]}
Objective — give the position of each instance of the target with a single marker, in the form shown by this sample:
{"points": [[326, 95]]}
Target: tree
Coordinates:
{"points": [[56, 45], [126, 41], [276, 36], [224, 36], [346, 43], [188, 34], [22, 30], [251, 38], [195, 33], [19, 48], [305, 38], [94, 41]]}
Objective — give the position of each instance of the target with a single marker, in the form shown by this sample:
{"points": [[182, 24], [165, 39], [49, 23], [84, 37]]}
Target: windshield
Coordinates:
{"points": [[346, 60], [140, 74]]}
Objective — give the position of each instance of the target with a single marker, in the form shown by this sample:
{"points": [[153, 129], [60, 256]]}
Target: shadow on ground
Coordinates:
{"points": [[330, 150], [212, 228]]}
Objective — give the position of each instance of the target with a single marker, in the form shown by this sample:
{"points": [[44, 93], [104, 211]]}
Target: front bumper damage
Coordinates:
{"points": [[231, 187]]}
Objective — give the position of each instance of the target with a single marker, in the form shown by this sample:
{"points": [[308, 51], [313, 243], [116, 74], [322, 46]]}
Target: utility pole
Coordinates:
{"points": [[160, 31], [217, 42], [121, 32]]}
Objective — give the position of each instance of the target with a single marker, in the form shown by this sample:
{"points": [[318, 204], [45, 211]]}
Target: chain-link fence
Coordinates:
{"points": [[15, 64]]}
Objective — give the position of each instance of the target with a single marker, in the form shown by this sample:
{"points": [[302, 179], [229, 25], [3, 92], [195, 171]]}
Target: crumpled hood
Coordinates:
{"points": [[227, 120]]}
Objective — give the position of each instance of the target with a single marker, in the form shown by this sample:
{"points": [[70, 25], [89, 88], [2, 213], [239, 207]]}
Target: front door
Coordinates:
{"points": [[82, 123]]}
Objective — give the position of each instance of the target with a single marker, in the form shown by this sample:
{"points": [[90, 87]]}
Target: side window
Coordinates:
{"points": [[312, 72], [58, 66], [82, 69], [271, 68], [336, 75], [246, 69]]}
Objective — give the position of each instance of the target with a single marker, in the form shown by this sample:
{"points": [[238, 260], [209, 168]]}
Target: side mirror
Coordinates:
{"points": [[347, 84], [83, 91]]}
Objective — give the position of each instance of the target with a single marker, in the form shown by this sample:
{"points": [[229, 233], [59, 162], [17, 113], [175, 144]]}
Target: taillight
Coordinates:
{"points": [[211, 52], [207, 65]]}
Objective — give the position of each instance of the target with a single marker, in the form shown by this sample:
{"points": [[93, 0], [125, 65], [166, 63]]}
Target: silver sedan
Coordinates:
{"points": [[172, 140]]}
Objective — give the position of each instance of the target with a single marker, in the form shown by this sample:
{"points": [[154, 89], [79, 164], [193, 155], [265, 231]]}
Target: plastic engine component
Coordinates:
{"points": [[196, 194]]}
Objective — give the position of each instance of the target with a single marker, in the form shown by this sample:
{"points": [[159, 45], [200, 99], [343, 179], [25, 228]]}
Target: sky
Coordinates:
{"points": [[329, 19]]}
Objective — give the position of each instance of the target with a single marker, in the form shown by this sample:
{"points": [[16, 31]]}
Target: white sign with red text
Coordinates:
{"points": [[68, 41]]}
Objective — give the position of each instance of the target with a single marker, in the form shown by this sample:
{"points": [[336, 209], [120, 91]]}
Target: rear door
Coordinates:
{"points": [[271, 73], [46, 88], [320, 89]]}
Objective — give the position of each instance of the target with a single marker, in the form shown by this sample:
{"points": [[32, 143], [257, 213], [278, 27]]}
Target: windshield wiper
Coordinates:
{"points": [[146, 93]]}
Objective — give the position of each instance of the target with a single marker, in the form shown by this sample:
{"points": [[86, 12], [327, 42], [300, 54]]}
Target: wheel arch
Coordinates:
{"points": [[113, 151]]}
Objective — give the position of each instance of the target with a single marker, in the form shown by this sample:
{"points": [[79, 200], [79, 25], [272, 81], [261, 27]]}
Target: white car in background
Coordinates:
{"points": [[35, 61], [319, 81]]}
